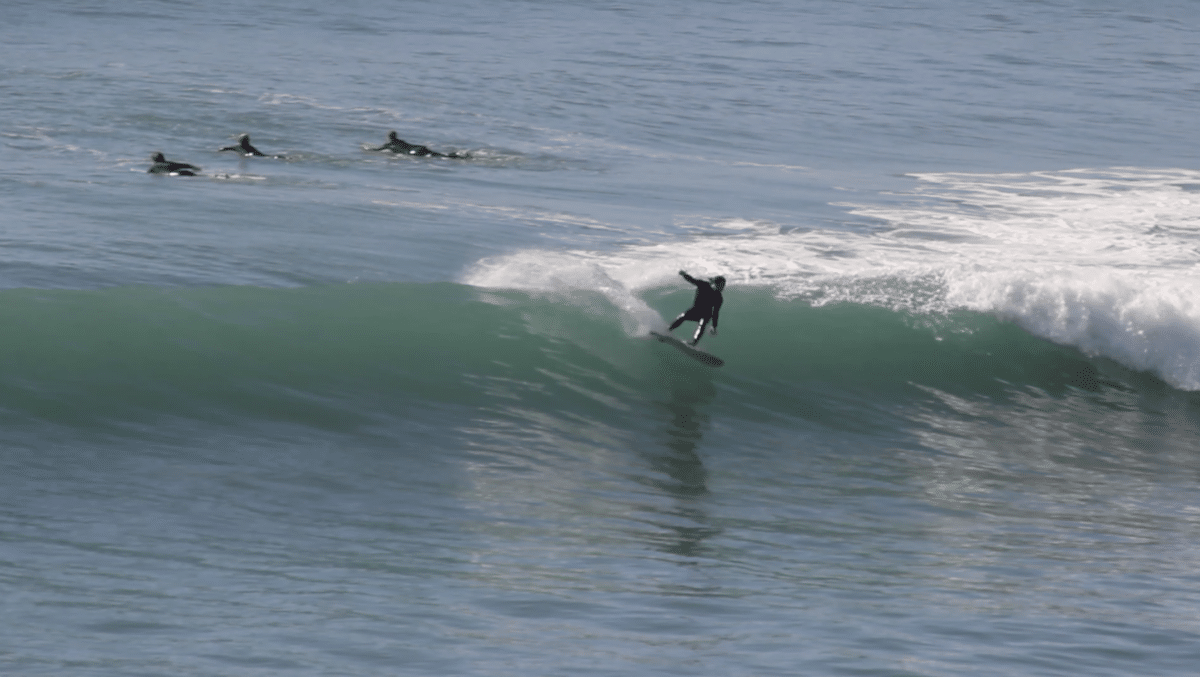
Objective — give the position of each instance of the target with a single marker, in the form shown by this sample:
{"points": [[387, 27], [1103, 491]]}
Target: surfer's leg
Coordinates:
{"points": [[690, 315], [699, 330]]}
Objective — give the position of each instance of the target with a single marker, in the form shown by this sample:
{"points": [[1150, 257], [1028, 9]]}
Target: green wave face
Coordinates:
{"points": [[351, 354]]}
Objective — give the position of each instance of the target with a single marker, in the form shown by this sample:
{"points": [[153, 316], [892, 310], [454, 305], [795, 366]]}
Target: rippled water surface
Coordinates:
{"points": [[344, 412]]}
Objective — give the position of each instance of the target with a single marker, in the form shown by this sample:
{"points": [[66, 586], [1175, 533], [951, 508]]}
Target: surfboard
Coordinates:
{"points": [[707, 358]]}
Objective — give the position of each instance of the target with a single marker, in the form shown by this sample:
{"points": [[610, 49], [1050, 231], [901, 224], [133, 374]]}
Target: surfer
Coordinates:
{"points": [[163, 166], [243, 146], [706, 306], [397, 145]]}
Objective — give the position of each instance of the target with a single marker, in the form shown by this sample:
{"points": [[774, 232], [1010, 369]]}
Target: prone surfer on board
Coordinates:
{"points": [[706, 306], [397, 145]]}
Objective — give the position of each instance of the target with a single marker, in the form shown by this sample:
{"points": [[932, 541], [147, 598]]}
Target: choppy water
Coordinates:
{"points": [[346, 413]]}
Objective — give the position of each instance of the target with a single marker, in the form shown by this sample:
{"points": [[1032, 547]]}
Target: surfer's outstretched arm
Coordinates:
{"points": [[244, 147], [689, 278]]}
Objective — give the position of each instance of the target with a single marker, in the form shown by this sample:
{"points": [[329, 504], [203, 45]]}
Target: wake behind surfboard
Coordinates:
{"points": [[706, 358]]}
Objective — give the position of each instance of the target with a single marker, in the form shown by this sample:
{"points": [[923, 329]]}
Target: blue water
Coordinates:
{"points": [[342, 412]]}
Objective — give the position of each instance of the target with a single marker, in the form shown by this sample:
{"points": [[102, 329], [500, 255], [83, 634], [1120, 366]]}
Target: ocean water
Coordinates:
{"points": [[340, 412]]}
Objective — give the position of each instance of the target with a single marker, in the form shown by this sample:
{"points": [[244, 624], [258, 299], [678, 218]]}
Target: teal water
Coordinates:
{"points": [[346, 413], [399, 499], [353, 352]]}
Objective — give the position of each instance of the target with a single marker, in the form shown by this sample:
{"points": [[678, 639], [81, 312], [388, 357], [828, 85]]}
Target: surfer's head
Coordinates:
{"points": [[158, 157], [393, 137], [718, 282]]}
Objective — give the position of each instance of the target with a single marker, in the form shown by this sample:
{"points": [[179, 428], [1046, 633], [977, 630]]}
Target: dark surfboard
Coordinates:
{"points": [[696, 353]]}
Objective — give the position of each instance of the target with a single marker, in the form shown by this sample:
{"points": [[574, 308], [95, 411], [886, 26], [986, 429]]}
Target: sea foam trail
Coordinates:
{"points": [[1105, 261], [565, 275]]}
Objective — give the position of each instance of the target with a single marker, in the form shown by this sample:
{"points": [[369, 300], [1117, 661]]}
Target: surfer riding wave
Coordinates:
{"points": [[705, 307]]}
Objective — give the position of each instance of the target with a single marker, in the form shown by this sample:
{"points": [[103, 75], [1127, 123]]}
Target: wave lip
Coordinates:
{"points": [[1146, 326]]}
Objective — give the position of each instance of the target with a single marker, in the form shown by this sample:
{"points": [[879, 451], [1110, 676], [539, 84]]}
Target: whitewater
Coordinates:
{"points": [[341, 412]]}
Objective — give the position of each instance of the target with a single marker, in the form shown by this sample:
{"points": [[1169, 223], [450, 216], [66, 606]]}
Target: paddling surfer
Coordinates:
{"points": [[397, 145], [705, 307], [244, 148], [164, 166]]}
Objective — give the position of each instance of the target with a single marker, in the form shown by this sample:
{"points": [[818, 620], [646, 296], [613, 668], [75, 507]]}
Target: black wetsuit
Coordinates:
{"points": [[243, 146], [706, 306], [398, 145], [164, 166]]}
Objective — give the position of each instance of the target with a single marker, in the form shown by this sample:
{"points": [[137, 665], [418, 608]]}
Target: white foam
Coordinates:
{"points": [[1146, 325], [1106, 261], [564, 274]]}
